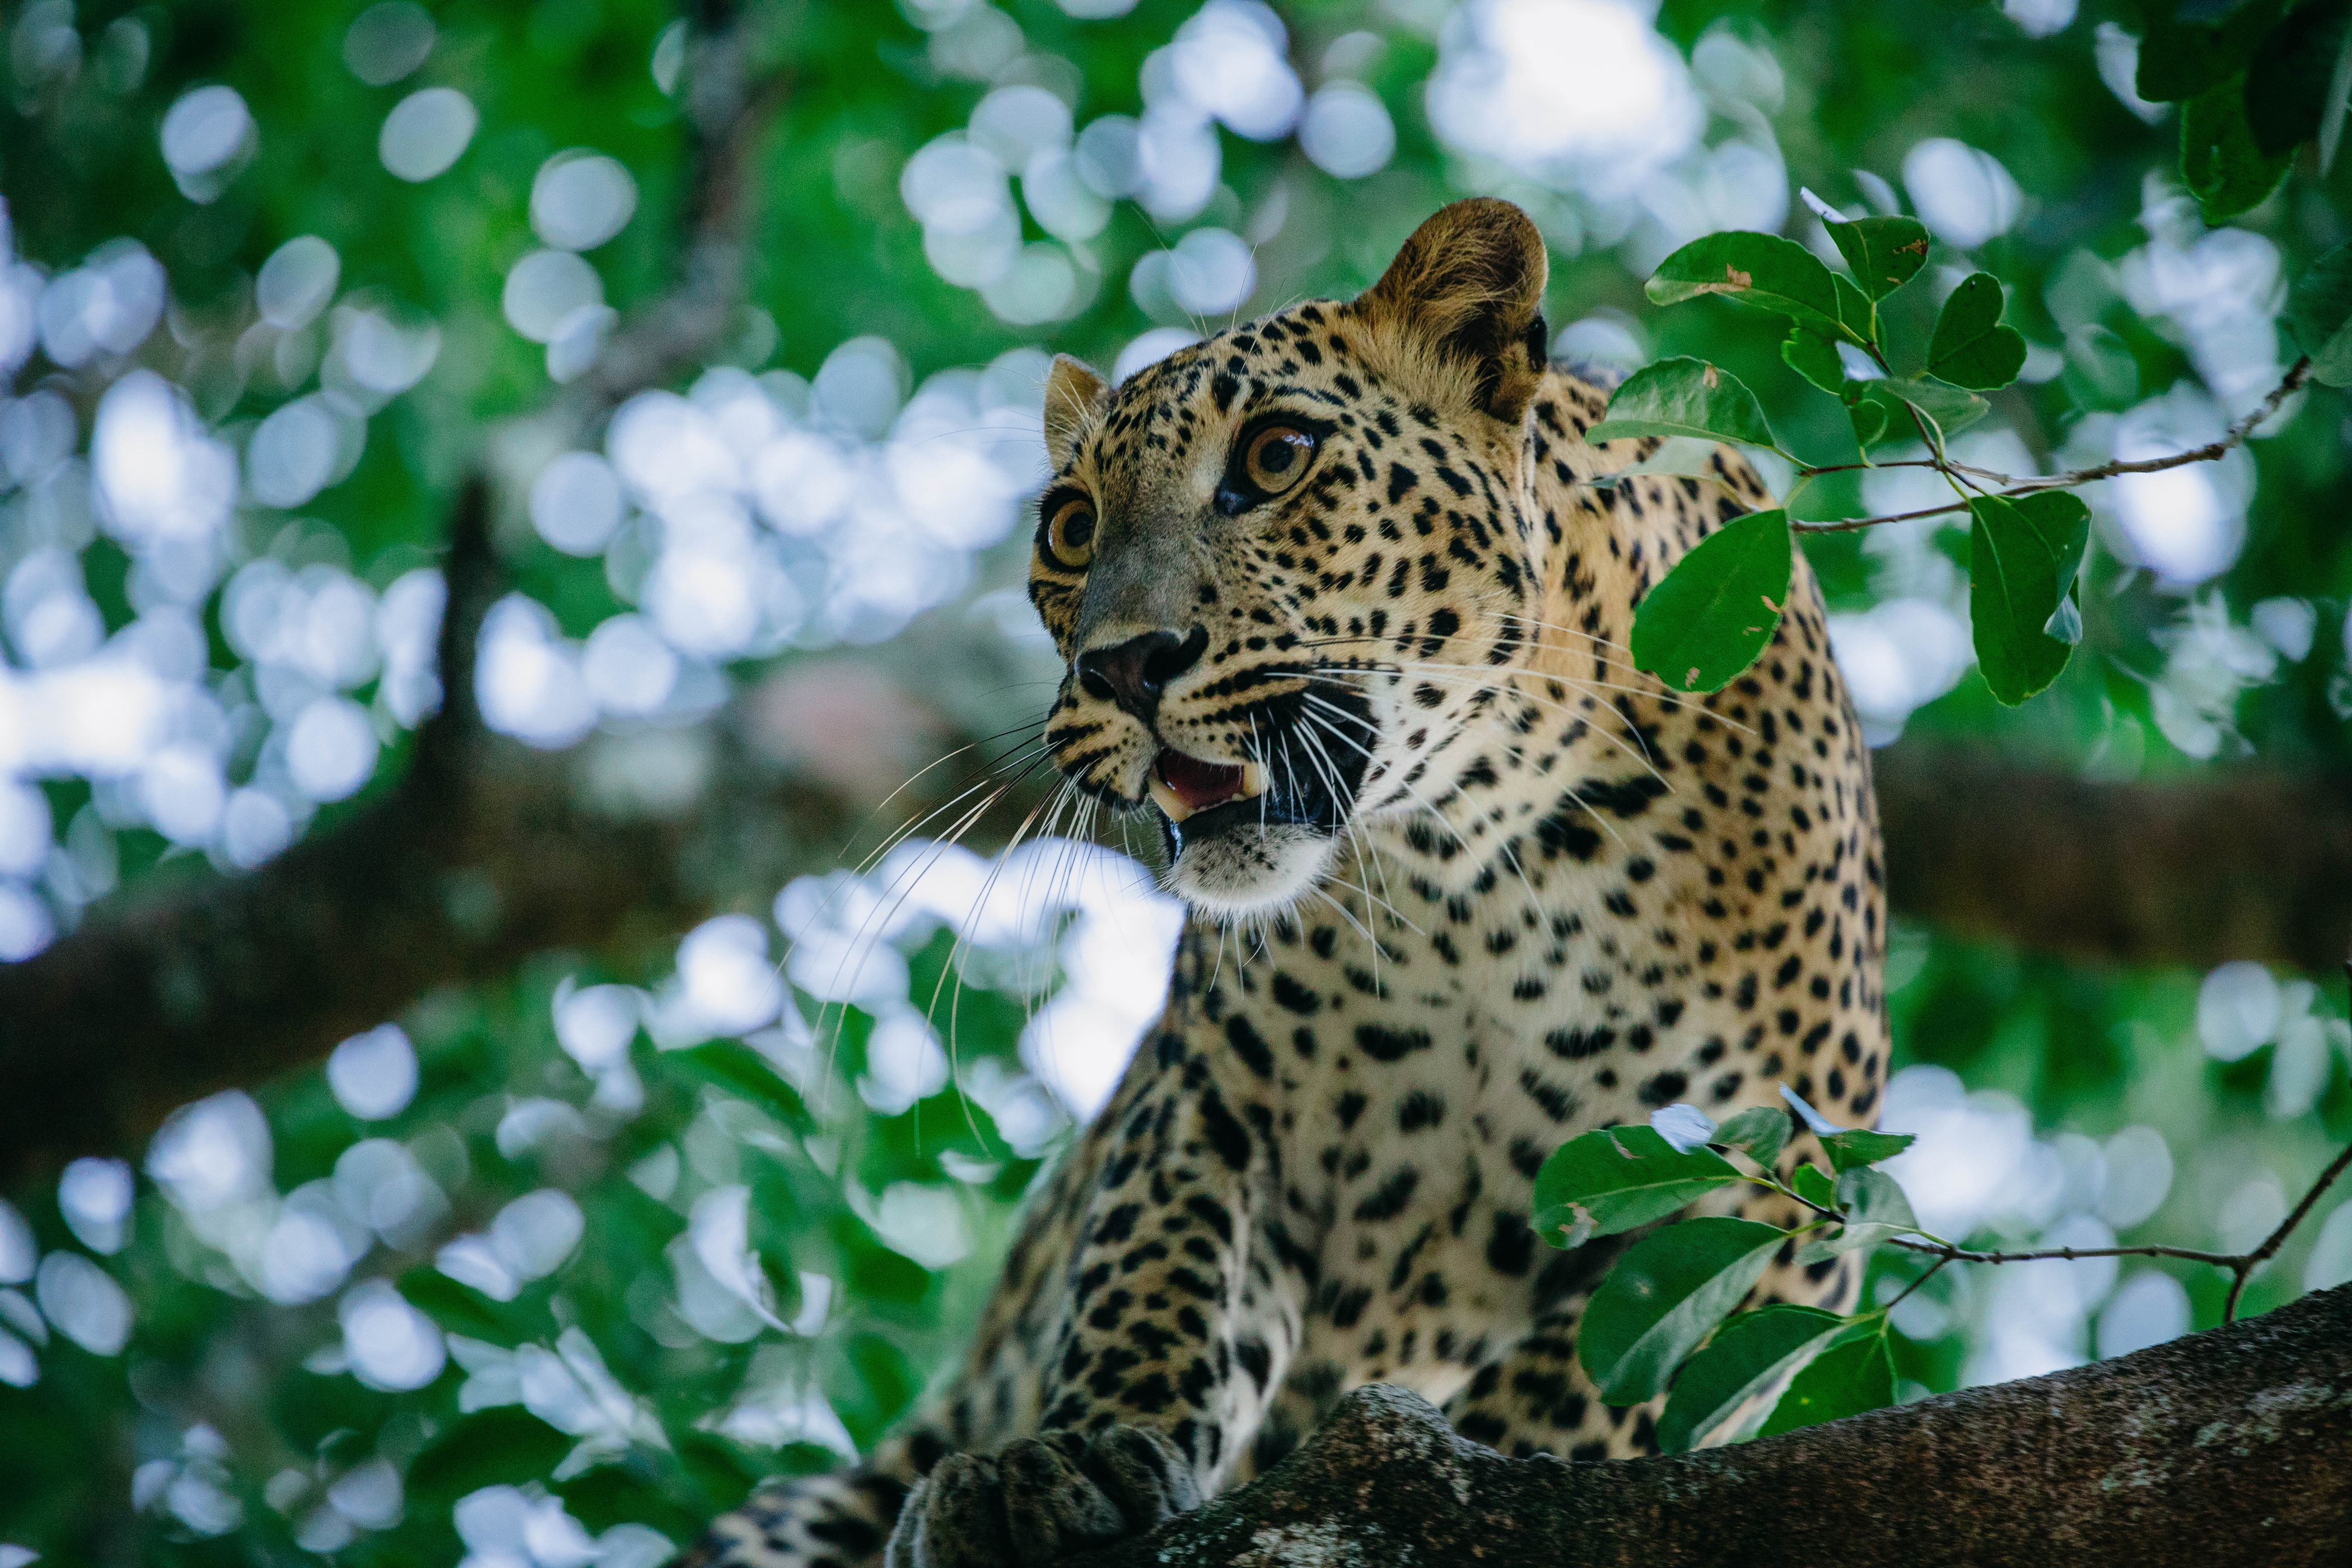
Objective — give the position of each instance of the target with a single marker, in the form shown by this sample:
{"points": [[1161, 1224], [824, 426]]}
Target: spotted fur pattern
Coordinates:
{"points": [[1507, 889]]}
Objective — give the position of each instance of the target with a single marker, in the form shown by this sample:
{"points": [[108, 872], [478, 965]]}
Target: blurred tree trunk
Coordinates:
{"points": [[2232, 1447], [488, 852]]}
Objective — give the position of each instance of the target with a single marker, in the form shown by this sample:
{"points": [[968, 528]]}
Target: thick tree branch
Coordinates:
{"points": [[2237, 864], [488, 852], [2229, 1446]]}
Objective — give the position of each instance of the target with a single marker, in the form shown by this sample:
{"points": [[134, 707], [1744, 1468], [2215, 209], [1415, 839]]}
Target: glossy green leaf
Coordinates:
{"points": [[2219, 160], [2319, 312], [1853, 1372], [1760, 269], [1855, 309], [1970, 347], [1615, 1178], [2181, 57], [1885, 253], [1814, 1185], [462, 1309], [1713, 615], [1664, 1297], [743, 1072], [1942, 412], [1747, 1356], [1683, 397], [2101, 370], [1852, 1150], [1761, 1132], [1815, 358], [2291, 75], [1868, 416], [508, 1445], [2023, 557], [1875, 1210]]}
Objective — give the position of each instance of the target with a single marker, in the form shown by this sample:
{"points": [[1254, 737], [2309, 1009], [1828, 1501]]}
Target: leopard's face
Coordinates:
{"points": [[1284, 564]]}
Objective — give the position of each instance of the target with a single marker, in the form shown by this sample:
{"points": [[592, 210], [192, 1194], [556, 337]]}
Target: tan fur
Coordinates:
{"points": [[1542, 894]]}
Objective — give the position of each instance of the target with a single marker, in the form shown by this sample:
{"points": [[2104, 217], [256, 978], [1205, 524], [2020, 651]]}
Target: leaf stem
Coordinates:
{"points": [[2241, 1265], [2212, 451]]}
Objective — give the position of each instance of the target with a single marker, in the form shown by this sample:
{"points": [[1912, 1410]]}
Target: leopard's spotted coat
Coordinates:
{"points": [[1590, 898]]}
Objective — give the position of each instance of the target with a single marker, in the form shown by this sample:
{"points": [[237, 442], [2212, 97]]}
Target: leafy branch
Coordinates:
{"points": [[1665, 1316], [2297, 374], [1716, 610]]}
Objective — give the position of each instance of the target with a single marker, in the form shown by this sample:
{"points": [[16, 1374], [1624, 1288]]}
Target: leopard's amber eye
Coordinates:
{"points": [[1277, 457], [1070, 536]]}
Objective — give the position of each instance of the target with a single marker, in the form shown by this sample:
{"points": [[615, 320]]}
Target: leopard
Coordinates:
{"points": [[1344, 597]]}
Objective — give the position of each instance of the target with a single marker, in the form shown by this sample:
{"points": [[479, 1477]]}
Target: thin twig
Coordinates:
{"points": [[2212, 451], [2241, 1265]]}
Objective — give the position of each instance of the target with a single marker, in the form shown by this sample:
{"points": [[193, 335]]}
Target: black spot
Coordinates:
{"points": [[1290, 994], [1249, 1044], [1224, 1134], [1386, 1044]]}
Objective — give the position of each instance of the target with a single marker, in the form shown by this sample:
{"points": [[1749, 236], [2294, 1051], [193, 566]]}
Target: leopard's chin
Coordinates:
{"points": [[1228, 865]]}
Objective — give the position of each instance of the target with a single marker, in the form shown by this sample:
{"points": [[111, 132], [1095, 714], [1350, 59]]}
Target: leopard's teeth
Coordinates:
{"points": [[1165, 798], [1252, 780]]}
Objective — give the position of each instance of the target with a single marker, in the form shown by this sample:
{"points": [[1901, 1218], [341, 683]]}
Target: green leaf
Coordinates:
{"points": [[1854, 309], [1946, 410], [2023, 557], [1875, 1210], [1761, 1132], [2290, 75], [2103, 373], [1869, 417], [1885, 253], [1683, 397], [1748, 1355], [1970, 347], [1713, 615], [743, 1072], [2319, 312], [1615, 1178], [1853, 1372], [1664, 1297], [1813, 1184], [486, 1448], [2219, 161], [461, 1309], [1851, 1151], [2180, 58], [1815, 358], [1760, 269]]}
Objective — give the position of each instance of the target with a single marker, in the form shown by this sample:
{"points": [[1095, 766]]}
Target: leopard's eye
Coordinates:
{"points": [[1070, 536], [1277, 457]]}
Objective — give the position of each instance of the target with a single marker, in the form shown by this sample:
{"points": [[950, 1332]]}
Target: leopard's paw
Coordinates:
{"points": [[1042, 1498]]}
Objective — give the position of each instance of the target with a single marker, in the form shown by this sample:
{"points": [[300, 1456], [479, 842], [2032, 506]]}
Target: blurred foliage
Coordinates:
{"points": [[231, 1419]]}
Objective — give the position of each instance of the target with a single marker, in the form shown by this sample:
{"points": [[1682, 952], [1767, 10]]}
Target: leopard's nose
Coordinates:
{"points": [[1133, 673]]}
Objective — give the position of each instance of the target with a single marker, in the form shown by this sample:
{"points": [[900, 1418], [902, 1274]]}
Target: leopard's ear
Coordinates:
{"points": [[1074, 396], [1468, 289]]}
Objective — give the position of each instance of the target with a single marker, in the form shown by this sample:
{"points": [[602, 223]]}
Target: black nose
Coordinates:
{"points": [[1134, 673]]}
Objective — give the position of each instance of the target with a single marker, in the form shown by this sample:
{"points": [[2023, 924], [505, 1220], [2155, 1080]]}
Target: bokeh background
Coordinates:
{"points": [[742, 313]]}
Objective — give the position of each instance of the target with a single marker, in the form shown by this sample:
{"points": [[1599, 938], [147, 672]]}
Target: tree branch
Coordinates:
{"points": [[2229, 1446], [2212, 451], [2244, 863], [489, 851]]}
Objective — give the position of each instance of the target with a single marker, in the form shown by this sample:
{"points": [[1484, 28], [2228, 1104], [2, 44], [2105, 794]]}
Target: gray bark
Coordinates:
{"points": [[2232, 1446]]}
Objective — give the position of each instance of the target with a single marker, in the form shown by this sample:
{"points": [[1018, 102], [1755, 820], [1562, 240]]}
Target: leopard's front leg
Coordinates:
{"points": [[1181, 1312]]}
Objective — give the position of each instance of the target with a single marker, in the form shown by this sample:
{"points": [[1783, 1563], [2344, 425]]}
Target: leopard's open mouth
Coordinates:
{"points": [[1302, 777], [1183, 786]]}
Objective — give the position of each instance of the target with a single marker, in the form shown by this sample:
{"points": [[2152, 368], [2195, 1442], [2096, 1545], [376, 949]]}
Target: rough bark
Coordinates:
{"points": [[2232, 1447]]}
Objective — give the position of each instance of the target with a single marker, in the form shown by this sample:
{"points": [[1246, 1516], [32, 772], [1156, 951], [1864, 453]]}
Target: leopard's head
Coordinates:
{"points": [[1284, 564]]}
